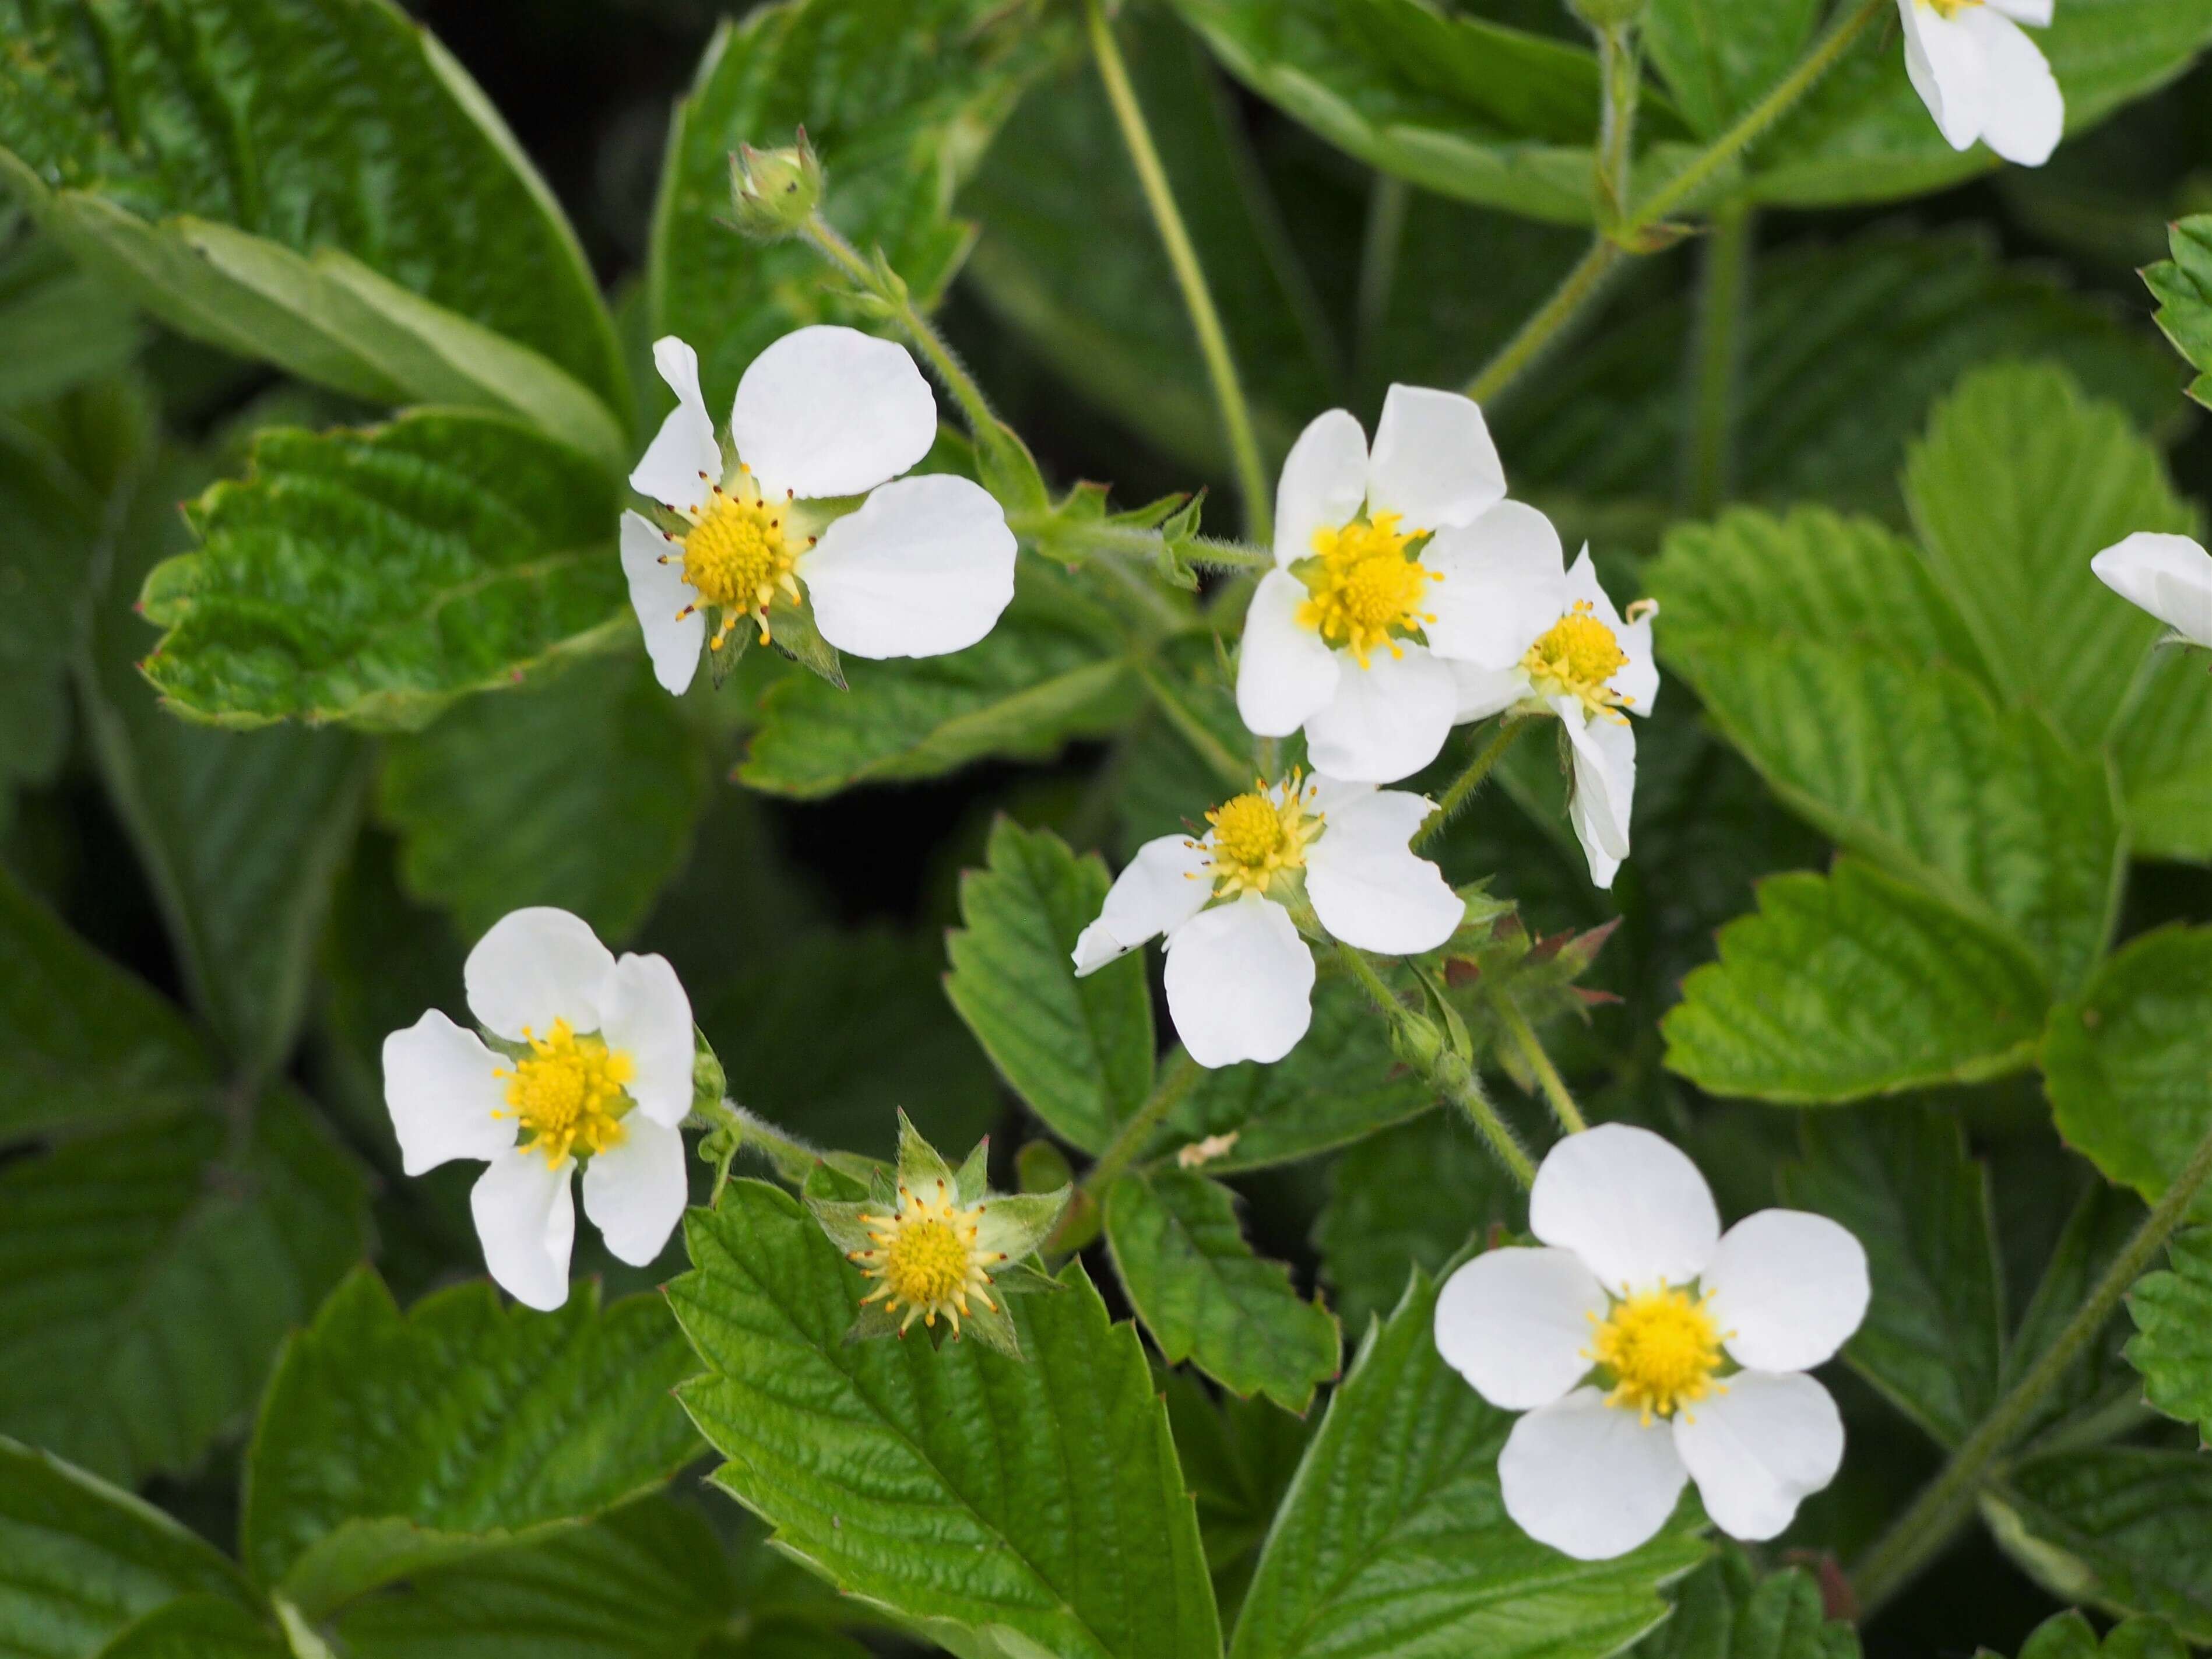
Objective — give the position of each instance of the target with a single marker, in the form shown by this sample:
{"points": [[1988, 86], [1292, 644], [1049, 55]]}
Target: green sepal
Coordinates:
{"points": [[919, 1161], [842, 1220], [1025, 1279], [791, 630], [1018, 1222], [973, 1175], [709, 1082]]}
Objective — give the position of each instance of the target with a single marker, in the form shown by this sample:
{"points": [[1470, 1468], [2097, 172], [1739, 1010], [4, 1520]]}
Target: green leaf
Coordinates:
{"points": [[2069, 1636], [149, 1272], [1720, 57], [2103, 1222], [1206, 1298], [1340, 1084], [2173, 1349], [1725, 1610], [2183, 287], [2125, 1064], [59, 326], [80, 1561], [1409, 1197], [902, 97], [1449, 102], [46, 566], [1394, 1540], [375, 577], [1078, 1051], [83, 1044], [2018, 483], [405, 253], [1051, 671], [2165, 756], [352, 1482], [1239, 1456], [1862, 134], [1901, 1180], [241, 834], [2128, 1528], [1910, 765], [1853, 984], [524, 798], [198, 1627], [1011, 1507]]}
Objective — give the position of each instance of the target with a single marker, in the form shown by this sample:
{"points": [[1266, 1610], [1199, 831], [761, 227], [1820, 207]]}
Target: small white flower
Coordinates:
{"points": [[1348, 636], [594, 1057], [1982, 78], [1239, 977], [2169, 576], [1648, 1349], [1548, 637], [923, 567]]}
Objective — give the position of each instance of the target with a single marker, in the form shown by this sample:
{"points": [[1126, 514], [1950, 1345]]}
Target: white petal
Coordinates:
{"points": [[526, 1221], [439, 1087], [926, 567], [1605, 787], [1632, 1205], [1946, 69], [1588, 1478], [646, 1015], [1516, 1324], [1323, 485], [535, 966], [2169, 576], [659, 593], [2036, 14], [1385, 722], [1285, 671], [634, 1191], [1788, 1288], [683, 462], [1584, 586], [831, 411], [1637, 680], [1759, 1449], [1370, 889], [1434, 462], [1240, 982], [1327, 795], [2023, 112], [1483, 692], [1163, 886], [1504, 583]]}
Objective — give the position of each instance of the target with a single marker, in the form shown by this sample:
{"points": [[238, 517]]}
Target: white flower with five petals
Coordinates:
{"points": [[2169, 576], [1239, 976], [1349, 636], [1647, 1348], [1549, 638], [923, 567], [594, 1057], [1983, 77]]}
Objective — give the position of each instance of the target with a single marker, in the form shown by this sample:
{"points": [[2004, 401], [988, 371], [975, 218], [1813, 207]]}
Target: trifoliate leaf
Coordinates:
{"points": [[1725, 1610], [1901, 1180], [1015, 1508], [1078, 1051], [2125, 1063], [1206, 1298], [2173, 1312], [2127, 1528], [2183, 286], [1393, 1541], [352, 1482], [1853, 984]]}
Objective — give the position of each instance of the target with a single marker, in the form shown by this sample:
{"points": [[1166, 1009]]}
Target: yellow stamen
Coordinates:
{"points": [[926, 1256], [1259, 836], [1949, 8], [1663, 1350], [739, 556], [1364, 591], [568, 1092], [1577, 657]]}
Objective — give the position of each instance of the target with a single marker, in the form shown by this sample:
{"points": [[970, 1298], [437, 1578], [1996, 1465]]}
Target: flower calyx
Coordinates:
{"points": [[774, 192]]}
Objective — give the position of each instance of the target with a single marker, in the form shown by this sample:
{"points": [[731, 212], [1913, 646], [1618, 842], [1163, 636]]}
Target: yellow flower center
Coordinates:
{"points": [[568, 1092], [740, 553], [1261, 835], [1662, 1349], [1949, 8], [927, 1257], [1364, 590], [1576, 657]]}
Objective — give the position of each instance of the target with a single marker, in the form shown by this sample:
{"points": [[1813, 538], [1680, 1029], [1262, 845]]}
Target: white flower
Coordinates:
{"points": [[1349, 635], [1549, 637], [1982, 78], [2169, 576], [594, 1057], [1648, 1349], [1239, 977], [923, 567]]}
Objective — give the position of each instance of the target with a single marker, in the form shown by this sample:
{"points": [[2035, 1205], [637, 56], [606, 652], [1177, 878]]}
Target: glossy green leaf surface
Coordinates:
{"points": [[2125, 1528], [1725, 1610]]}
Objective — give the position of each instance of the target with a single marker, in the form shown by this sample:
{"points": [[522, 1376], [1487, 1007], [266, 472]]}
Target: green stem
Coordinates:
{"points": [[1711, 463], [1190, 276], [1387, 201], [1377, 989], [1921, 1533], [1619, 75], [794, 1159], [1232, 771], [1580, 286], [1548, 1075], [1132, 1136], [1470, 779]]}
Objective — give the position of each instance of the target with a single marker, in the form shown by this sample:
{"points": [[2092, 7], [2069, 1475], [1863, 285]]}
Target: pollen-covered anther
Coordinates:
{"points": [[1577, 657], [1261, 835], [1366, 593], [737, 557], [927, 1257], [1663, 1350], [568, 1092]]}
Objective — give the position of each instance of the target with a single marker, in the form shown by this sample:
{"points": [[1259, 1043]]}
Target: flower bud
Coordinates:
{"points": [[775, 191]]}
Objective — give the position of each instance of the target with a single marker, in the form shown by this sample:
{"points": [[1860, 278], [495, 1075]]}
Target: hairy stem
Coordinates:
{"points": [[1620, 74], [1131, 1139], [1921, 1533], [1577, 289], [1190, 276], [1471, 779], [1548, 1075], [1710, 464]]}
